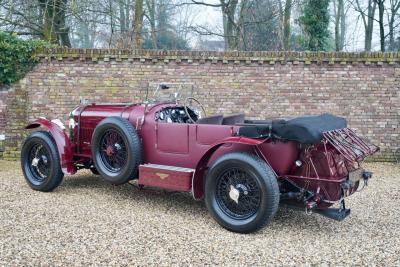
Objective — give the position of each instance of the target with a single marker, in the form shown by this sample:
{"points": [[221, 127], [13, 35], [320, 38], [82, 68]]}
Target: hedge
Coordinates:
{"points": [[17, 56]]}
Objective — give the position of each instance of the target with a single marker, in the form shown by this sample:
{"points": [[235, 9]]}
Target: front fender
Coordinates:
{"points": [[197, 182], [64, 145]]}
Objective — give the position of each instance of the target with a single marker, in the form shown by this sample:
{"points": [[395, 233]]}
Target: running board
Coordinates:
{"points": [[167, 177]]}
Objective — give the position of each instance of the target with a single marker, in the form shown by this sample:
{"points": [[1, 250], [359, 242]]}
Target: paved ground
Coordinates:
{"points": [[87, 221]]}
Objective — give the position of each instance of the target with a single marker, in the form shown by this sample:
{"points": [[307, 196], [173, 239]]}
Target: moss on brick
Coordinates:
{"points": [[212, 56]]}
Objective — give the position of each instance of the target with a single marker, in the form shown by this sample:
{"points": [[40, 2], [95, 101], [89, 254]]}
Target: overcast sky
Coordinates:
{"points": [[211, 17]]}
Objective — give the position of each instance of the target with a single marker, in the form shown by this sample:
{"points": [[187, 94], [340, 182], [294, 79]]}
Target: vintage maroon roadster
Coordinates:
{"points": [[243, 168]]}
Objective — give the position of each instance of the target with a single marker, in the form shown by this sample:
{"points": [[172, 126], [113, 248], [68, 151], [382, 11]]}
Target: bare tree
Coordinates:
{"points": [[286, 24], [393, 13], [230, 20], [339, 23], [151, 17], [43, 18], [367, 14], [138, 23], [381, 9], [238, 17]]}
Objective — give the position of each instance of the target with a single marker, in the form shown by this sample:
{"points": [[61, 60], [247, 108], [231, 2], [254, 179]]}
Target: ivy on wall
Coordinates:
{"points": [[17, 56]]}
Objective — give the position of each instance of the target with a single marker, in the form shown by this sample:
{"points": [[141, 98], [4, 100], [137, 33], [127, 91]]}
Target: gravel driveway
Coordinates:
{"points": [[88, 221]]}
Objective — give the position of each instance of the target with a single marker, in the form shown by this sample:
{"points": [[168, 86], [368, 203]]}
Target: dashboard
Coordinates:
{"points": [[176, 115]]}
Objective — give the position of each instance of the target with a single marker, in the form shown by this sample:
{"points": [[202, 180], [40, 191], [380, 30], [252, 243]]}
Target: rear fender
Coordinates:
{"points": [[197, 182], [64, 145]]}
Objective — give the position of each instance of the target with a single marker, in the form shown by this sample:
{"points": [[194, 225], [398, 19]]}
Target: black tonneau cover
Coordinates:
{"points": [[306, 129]]}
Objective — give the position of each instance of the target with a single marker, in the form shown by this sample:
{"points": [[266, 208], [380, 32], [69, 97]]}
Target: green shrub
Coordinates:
{"points": [[17, 56]]}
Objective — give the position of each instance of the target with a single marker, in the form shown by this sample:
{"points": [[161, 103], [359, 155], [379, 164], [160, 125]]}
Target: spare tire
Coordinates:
{"points": [[116, 150]]}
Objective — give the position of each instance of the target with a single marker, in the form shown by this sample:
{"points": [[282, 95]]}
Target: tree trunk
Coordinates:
{"points": [[54, 29], [61, 25], [391, 34], [370, 25], [225, 26], [230, 9], [368, 21], [49, 34], [240, 32], [138, 24], [286, 24], [127, 9], [110, 9], [338, 13], [342, 27], [381, 9], [394, 8], [280, 28], [122, 19], [151, 7]]}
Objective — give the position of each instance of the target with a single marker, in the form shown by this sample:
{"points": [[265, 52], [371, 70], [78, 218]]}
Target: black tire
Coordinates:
{"points": [[116, 161], [254, 187], [40, 162]]}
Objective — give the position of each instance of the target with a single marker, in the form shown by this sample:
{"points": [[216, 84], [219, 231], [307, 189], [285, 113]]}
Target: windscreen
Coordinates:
{"points": [[169, 92]]}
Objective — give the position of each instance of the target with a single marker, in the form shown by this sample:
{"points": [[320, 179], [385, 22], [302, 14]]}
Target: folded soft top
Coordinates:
{"points": [[306, 129]]}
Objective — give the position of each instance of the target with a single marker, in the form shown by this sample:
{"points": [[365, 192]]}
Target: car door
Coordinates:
{"points": [[172, 137]]}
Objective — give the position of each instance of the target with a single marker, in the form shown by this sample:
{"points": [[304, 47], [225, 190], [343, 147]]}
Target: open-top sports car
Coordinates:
{"points": [[242, 168]]}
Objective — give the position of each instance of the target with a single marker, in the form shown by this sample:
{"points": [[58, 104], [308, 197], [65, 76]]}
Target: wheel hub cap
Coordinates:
{"points": [[35, 162], [109, 151], [112, 149], [238, 193], [234, 194], [39, 164]]}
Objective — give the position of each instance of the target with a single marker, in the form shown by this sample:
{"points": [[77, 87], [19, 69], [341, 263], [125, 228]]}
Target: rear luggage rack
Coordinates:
{"points": [[349, 144]]}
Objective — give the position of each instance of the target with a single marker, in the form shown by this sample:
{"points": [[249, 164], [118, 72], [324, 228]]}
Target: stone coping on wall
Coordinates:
{"points": [[236, 57]]}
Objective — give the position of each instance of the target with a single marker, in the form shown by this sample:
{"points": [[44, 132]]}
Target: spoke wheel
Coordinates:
{"points": [[113, 150], [238, 193], [116, 150], [241, 192], [40, 162]]}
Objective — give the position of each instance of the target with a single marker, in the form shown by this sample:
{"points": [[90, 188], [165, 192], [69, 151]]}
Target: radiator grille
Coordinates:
{"points": [[86, 135]]}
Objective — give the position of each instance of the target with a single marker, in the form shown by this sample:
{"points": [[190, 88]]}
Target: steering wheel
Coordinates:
{"points": [[189, 100]]}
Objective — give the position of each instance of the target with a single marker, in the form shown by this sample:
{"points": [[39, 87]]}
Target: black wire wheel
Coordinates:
{"points": [[116, 150], [241, 192], [40, 162], [113, 150], [238, 193]]}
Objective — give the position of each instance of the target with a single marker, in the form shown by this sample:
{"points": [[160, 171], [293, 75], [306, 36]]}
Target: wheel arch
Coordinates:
{"points": [[64, 145], [201, 167]]}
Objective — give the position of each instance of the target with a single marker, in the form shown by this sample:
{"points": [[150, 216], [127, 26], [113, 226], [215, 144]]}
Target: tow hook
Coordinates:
{"points": [[366, 175]]}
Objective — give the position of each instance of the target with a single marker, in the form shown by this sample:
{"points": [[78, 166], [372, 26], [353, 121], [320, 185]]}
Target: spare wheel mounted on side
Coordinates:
{"points": [[116, 150], [241, 192]]}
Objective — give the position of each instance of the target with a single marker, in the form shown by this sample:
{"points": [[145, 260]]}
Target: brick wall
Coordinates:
{"points": [[3, 97], [364, 88]]}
